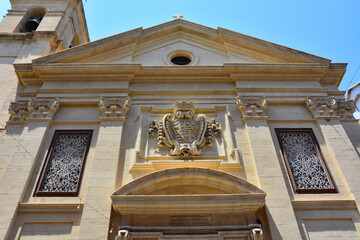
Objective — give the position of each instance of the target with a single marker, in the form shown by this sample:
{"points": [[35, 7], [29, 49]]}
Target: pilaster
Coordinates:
{"points": [[336, 138], [18, 172], [97, 210], [280, 213]]}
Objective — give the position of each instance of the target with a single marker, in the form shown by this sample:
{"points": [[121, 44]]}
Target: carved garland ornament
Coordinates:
{"points": [[184, 133]]}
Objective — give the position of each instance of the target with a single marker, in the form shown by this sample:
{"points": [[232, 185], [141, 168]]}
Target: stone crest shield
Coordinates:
{"points": [[183, 132]]}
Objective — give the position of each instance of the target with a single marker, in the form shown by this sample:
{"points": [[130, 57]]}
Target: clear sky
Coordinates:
{"points": [[327, 28]]}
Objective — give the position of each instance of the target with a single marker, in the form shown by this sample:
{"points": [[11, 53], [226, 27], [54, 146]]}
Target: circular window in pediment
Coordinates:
{"points": [[181, 58]]}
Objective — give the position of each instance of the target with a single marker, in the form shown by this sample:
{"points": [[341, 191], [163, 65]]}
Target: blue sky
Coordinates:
{"points": [[326, 28]]}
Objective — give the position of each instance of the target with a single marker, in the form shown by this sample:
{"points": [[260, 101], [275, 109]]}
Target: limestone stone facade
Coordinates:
{"points": [[178, 131]]}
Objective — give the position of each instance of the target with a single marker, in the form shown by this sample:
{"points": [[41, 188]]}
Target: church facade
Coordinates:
{"points": [[178, 131]]}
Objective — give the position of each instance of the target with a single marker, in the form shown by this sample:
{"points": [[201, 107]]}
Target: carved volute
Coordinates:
{"points": [[328, 107], [114, 107], [252, 107]]}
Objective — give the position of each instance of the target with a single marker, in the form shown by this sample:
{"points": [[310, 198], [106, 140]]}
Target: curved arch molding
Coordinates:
{"points": [[188, 190]]}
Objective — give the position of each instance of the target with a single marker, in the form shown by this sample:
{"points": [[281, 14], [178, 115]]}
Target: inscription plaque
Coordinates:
{"points": [[190, 220]]}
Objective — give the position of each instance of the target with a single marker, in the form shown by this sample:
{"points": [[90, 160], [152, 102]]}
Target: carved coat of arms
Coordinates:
{"points": [[183, 132]]}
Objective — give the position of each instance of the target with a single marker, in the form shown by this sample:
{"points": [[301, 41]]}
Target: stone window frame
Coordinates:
{"points": [[57, 133], [333, 188]]}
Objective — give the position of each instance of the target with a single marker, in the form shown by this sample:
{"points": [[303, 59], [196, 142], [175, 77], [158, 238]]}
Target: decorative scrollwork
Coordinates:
{"points": [[183, 132], [65, 163], [305, 164], [114, 107]]}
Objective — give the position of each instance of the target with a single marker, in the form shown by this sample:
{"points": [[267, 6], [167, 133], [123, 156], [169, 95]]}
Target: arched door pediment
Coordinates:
{"points": [[186, 189]]}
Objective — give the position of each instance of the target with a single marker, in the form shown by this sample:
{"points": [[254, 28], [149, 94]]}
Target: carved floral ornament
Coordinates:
{"points": [[36, 108], [114, 107], [252, 107], [328, 107], [183, 132]]}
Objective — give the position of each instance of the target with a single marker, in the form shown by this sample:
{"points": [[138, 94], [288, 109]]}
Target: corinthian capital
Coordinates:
{"points": [[322, 107], [18, 111], [252, 107], [346, 109], [43, 108], [114, 107]]}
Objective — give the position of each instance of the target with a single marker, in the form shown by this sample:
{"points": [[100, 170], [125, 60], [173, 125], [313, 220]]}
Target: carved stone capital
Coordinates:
{"points": [[346, 109], [113, 108], [329, 108], [43, 108], [256, 234], [183, 132], [322, 107], [18, 111], [123, 235], [252, 107]]}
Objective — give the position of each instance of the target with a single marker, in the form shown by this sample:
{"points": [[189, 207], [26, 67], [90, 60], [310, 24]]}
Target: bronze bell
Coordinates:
{"points": [[32, 24]]}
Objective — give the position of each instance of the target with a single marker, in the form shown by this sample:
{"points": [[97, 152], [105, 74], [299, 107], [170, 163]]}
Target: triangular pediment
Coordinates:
{"points": [[153, 46]]}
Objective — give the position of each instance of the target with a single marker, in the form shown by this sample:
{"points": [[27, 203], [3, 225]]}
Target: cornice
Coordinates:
{"points": [[257, 46], [88, 46], [228, 72], [273, 46]]}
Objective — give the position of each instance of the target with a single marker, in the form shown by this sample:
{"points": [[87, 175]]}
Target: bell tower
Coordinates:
{"points": [[53, 25], [32, 29]]}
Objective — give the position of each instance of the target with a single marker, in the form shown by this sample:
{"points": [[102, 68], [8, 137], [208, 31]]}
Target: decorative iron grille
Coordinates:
{"points": [[304, 161], [62, 171]]}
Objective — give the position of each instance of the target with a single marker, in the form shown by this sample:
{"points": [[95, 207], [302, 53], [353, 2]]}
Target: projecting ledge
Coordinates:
{"points": [[152, 166], [188, 204]]}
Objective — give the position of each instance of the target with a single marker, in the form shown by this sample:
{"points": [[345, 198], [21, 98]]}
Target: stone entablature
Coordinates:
{"points": [[35, 109], [252, 107], [114, 108], [184, 133], [329, 108]]}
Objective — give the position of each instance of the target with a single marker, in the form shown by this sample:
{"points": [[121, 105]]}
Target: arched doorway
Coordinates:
{"points": [[188, 203]]}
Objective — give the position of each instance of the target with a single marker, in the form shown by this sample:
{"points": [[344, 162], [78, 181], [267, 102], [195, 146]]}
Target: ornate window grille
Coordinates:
{"points": [[304, 161], [63, 168]]}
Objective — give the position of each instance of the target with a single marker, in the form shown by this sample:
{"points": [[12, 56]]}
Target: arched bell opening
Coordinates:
{"points": [[31, 20], [188, 201]]}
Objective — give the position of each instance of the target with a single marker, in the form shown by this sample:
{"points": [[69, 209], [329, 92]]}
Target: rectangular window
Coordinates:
{"points": [[304, 161], [62, 171]]}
